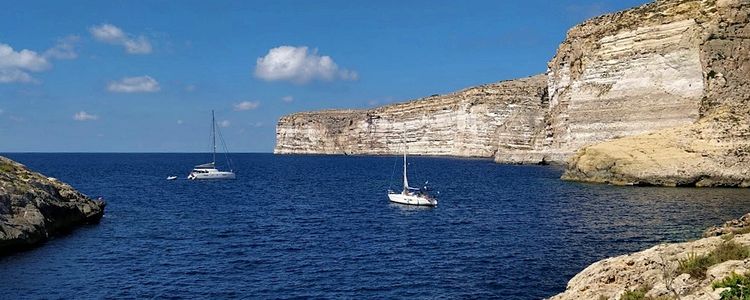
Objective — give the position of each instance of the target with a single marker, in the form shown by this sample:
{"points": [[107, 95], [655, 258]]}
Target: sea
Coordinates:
{"points": [[321, 227]]}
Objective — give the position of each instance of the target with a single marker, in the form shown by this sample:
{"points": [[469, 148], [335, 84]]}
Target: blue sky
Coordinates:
{"points": [[142, 76]]}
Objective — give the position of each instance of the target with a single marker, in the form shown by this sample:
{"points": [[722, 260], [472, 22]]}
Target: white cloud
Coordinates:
{"points": [[246, 105], [84, 116], [64, 49], [287, 99], [298, 65], [15, 65], [112, 34], [225, 123], [190, 88], [139, 84], [179, 122], [14, 75]]}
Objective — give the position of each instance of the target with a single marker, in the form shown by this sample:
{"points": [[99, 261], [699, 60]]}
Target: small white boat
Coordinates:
{"points": [[209, 170], [410, 195], [171, 177]]}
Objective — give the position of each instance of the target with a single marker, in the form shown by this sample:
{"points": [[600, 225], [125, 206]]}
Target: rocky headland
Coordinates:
{"points": [[654, 95], [701, 269], [34, 208]]}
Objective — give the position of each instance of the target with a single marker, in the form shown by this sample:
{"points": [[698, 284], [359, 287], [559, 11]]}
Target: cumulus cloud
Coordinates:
{"points": [[139, 84], [15, 65], [84, 116], [112, 34], [299, 65], [225, 123], [287, 99], [64, 49], [246, 105]]}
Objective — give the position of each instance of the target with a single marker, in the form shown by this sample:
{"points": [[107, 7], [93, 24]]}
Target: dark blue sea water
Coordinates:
{"points": [[321, 227]]}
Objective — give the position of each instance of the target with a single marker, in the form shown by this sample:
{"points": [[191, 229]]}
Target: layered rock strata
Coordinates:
{"points": [[34, 207], [715, 150], [484, 121]]}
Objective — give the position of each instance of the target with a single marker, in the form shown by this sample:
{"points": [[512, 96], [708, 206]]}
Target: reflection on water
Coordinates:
{"points": [[322, 227]]}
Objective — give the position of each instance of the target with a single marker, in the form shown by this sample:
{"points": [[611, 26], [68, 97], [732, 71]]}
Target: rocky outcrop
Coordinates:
{"points": [[714, 150], [504, 119], [34, 207], [656, 271], [736, 226]]}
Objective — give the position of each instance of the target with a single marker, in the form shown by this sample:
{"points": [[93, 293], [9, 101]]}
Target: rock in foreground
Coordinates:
{"points": [[33, 207], [690, 270]]}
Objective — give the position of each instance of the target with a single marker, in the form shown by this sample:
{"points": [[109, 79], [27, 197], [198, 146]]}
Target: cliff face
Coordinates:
{"points": [[627, 73], [715, 150], [34, 207], [479, 122], [656, 94]]}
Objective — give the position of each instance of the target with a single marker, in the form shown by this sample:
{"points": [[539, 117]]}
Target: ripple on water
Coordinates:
{"points": [[321, 227]]}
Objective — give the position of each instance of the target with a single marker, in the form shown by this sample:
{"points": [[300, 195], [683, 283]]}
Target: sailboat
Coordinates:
{"points": [[209, 170], [410, 195]]}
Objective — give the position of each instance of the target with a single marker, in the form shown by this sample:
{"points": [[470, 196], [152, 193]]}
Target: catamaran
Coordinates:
{"points": [[410, 195], [209, 170]]}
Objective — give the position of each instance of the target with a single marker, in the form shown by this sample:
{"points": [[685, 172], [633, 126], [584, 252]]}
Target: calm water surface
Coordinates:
{"points": [[321, 227]]}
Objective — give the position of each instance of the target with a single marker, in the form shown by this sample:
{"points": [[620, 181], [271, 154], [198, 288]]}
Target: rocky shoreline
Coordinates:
{"points": [[689, 270], [34, 208]]}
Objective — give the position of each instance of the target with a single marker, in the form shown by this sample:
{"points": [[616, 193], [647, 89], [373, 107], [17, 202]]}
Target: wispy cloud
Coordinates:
{"points": [[139, 84], [65, 48], [246, 105], [296, 64], [225, 123], [84, 116], [287, 99], [112, 34]]}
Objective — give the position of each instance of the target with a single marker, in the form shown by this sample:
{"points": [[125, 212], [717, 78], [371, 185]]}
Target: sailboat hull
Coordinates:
{"points": [[211, 175], [412, 200]]}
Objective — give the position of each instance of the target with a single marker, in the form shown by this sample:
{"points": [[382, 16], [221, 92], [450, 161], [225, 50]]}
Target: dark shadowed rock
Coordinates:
{"points": [[34, 207]]}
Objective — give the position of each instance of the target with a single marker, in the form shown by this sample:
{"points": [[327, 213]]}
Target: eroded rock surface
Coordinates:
{"points": [[713, 151], [504, 117], [657, 269], [34, 207]]}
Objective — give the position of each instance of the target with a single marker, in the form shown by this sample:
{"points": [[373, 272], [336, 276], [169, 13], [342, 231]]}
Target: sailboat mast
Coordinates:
{"points": [[213, 134], [406, 181]]}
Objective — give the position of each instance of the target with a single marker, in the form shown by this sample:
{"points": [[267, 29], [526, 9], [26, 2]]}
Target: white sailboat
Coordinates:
{"points": [[410, 195], [209, 170]]}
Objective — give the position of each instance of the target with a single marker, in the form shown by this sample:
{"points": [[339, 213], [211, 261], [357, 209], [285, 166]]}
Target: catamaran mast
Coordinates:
{"points": [[213, 134]]}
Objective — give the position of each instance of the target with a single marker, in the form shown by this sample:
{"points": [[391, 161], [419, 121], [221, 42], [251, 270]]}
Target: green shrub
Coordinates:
{"points": [[636, 294], [697, 265], [739, 287]]}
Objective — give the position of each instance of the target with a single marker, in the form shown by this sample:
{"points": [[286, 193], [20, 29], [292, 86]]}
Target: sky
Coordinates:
{"points": [[143, 76]]}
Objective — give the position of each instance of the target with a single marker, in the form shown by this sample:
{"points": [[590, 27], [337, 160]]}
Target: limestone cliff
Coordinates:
{"points": [[34, 207], [714, 151], [504, 117]]}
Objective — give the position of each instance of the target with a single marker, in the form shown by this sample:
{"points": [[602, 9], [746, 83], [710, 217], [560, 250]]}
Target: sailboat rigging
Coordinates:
{"points": [[410, 195], [209, 170]]}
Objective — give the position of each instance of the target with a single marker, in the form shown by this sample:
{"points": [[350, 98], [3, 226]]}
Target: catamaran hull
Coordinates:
{"points": [[411, 200], [210, 176]]}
